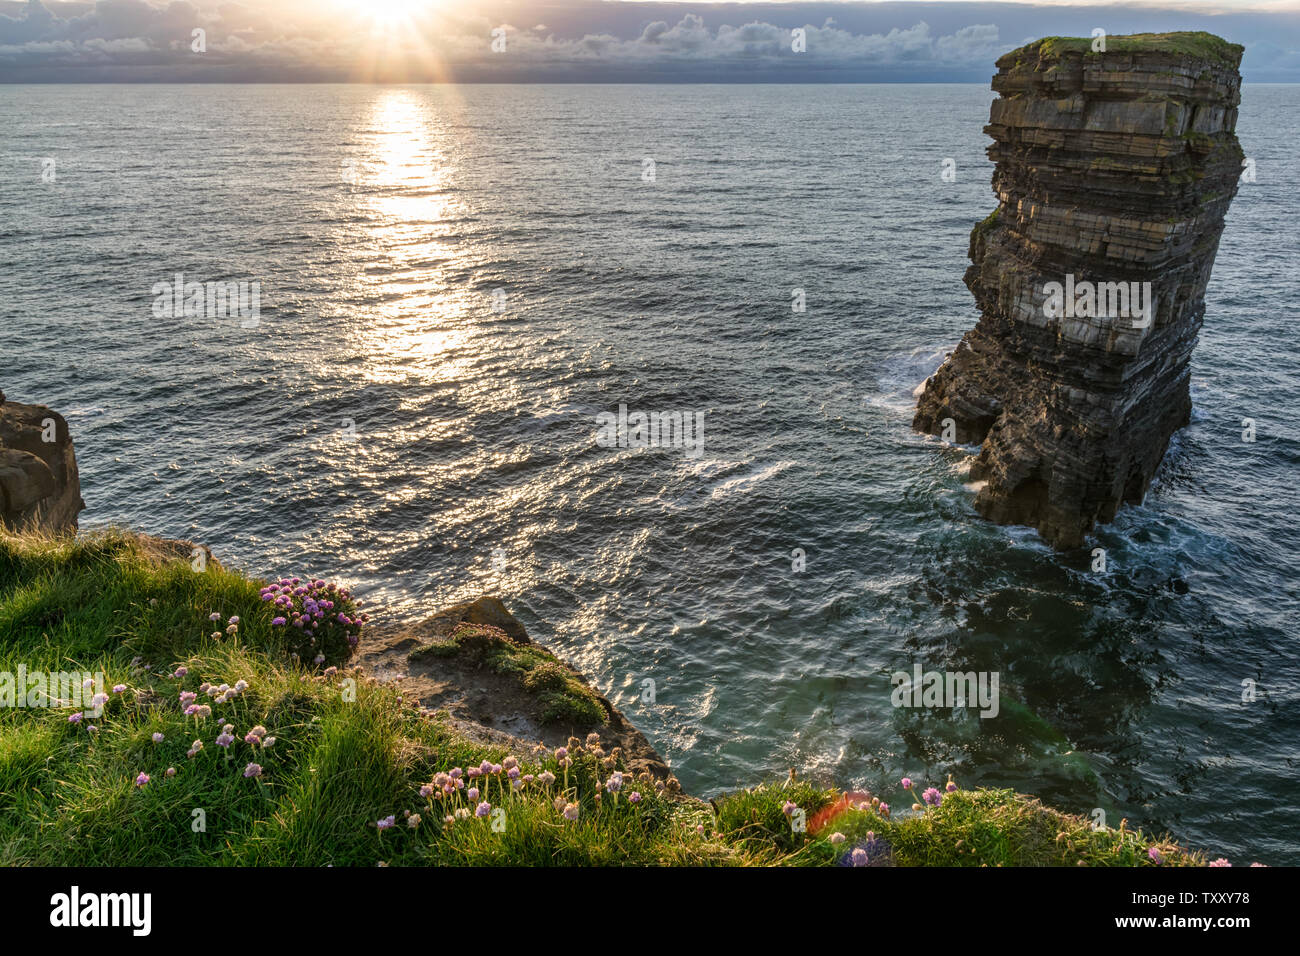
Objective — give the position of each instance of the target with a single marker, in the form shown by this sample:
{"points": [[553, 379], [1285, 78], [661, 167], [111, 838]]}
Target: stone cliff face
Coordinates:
{"points": [[39, 487], [1114, 172]]}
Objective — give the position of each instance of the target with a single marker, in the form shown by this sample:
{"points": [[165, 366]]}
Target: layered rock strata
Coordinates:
{"points": [[39, 486], [1114, 171]]}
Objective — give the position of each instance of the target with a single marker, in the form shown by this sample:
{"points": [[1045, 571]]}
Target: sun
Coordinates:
{"points": [[392, 13]]}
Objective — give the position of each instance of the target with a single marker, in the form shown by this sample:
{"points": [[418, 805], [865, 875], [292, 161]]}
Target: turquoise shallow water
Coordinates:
{"points": [[379, 221]]}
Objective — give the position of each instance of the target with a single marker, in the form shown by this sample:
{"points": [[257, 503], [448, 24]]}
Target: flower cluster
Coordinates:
{"points": [[232, 625], [931, 796], [222, 693], [257, 738], [319, 620], [474, 792]]}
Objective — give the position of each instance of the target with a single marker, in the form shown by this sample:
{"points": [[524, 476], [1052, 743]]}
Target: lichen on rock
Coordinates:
{"points": [[1114, 171]]}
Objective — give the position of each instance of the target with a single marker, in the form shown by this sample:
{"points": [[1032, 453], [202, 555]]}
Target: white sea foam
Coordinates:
{"points": [[903, 376], [743, 484]]}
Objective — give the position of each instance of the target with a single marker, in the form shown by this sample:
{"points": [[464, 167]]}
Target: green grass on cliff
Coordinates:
{"points": [[1198, 44], [316, 759]]}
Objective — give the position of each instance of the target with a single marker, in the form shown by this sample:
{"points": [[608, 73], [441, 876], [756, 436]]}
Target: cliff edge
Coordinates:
{"points": [[1114, 171]]}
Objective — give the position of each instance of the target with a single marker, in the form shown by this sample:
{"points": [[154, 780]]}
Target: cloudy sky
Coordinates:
{"points": [[587, 40]]}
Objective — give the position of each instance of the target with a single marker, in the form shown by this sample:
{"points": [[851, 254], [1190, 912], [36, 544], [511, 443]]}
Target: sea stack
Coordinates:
{"points": [[1115, 168], [39, 485]]}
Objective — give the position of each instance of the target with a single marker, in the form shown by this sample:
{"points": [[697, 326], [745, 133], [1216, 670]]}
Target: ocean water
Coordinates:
{"points": [[393, 422]]}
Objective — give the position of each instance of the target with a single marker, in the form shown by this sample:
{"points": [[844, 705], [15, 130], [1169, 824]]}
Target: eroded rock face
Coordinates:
{"points": [[39, 487], [1113, 167]]}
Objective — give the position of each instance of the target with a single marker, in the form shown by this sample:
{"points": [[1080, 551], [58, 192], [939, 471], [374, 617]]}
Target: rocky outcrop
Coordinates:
{"points": [[489, 703], [485, 610], [1114, 171], [39, 487]]}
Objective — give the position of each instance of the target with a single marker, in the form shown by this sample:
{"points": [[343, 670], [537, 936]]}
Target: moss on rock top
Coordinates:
{"points": [[1198, 44]]}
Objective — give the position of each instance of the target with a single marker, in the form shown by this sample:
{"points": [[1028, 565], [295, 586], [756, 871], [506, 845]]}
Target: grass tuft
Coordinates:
{"points": [[1198, 44]]}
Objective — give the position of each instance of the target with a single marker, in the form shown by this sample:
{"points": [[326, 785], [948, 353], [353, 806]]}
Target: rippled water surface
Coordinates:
{"points": [[379, 221]]}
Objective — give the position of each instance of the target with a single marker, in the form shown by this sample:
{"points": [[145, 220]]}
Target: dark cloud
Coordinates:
{"points": [[42, 40]]}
